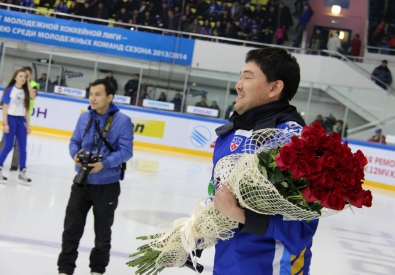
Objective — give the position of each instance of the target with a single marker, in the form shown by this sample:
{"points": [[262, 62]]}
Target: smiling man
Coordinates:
{"points": [[263, 244]]}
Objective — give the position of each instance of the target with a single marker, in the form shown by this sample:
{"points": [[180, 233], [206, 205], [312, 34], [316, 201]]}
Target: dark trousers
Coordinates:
{"points": [[104, 199]]}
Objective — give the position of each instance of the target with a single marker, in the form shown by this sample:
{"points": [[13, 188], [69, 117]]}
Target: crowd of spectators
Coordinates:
{"points": [[241, 20], [382, 26]]}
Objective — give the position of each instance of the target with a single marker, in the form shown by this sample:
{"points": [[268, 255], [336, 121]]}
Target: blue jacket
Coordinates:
{"points": [[120, 137], [265, 244]]}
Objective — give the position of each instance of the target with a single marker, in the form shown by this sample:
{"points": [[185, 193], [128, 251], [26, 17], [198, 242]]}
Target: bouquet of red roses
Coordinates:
{"points": [[303, 178], [317, 171]]}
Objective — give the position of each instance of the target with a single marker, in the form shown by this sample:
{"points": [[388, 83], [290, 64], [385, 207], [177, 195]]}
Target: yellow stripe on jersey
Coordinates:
{"points": [[298, 264]]}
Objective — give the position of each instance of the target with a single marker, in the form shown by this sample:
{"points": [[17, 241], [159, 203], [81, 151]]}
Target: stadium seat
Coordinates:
{"points": [[42, 11]]}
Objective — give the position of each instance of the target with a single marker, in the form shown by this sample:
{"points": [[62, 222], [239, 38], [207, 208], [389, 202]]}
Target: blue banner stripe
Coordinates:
{"points": [[95, 38]]}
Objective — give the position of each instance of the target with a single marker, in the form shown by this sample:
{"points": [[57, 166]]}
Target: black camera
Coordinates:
{"points": [[85, 158]]}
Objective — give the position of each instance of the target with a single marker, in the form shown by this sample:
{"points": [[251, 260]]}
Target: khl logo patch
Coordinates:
{"points": [[236, 141]]}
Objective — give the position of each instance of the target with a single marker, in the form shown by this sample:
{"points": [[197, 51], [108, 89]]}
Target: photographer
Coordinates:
{"points": [[101, 142]]}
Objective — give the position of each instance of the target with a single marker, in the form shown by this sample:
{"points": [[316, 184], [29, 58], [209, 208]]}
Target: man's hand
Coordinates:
{"points": [[96, 167], [76, 159], [226, 203]]}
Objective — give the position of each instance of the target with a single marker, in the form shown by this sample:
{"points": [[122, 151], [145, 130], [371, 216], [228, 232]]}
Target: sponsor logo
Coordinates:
{"points": [[200, 136], [72, 74], [195, 92], [121, 99], [69, 91], [149, 128], [236, 141]]}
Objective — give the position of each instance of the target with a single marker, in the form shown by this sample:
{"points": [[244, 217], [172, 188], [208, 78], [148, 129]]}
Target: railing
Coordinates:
{"points": [[380, 50]]}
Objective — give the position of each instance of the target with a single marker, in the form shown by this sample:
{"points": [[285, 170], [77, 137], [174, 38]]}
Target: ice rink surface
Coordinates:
{"points": [[159, 187]]}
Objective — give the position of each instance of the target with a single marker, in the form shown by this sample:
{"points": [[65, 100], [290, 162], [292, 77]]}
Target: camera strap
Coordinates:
{"points": [[103, 136]]}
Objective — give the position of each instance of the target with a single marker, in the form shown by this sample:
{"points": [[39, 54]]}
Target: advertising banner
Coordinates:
{"points": [[202, 111], [158, 104], [95, 38], [381, 161], [121, 99], [155, 128], [69, 91]]}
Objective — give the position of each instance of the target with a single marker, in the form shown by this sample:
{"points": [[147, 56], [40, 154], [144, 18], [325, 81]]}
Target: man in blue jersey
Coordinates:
{"points": [[263, 244]]}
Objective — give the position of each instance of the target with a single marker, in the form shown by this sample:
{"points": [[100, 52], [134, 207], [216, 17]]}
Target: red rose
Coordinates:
{"points": [[360, 158], [337, 173], [306, 154], [359, 173], [312, 142], [315, 130], [362, 198], [348, 178], [308, 195], [335, 201], [367, 198], [329, 160], [300, 169], [348, 163], [285, 158], [335, 137], [337, 187], [320, 193], [324, 142], [335, 146], [325, 180], [346, 150], [316, 165], [296, 143]]}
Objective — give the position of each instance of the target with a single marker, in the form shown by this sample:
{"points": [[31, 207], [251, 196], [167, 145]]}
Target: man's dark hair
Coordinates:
{"points": [[278, 64], [110, 90], [27, 68]]}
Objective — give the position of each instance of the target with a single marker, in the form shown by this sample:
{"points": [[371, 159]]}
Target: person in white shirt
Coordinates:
{"points": [[16, 121], [334, 44]]}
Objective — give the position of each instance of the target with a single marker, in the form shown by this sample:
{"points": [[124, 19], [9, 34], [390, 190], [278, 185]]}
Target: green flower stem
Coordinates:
{"points": [[149, 237], [295, 197], [147, 267], [140, 252]]}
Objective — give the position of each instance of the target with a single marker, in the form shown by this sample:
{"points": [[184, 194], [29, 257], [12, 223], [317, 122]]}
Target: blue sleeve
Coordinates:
{"points": [[6, 96], [293, 234], [76, 139], [124, 146]]}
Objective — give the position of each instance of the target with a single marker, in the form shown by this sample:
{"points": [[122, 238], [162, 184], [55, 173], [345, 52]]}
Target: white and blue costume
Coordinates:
{"points": [[15, 99]]}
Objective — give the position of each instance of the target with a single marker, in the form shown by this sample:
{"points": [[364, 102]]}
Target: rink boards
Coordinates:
{"points": [[184, 133]]}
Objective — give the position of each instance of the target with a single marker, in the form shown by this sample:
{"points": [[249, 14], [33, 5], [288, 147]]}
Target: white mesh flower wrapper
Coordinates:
{"points": [[205, 226]]}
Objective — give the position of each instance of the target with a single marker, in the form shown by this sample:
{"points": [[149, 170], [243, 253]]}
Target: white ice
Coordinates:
{"points": [[160, 187]]}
